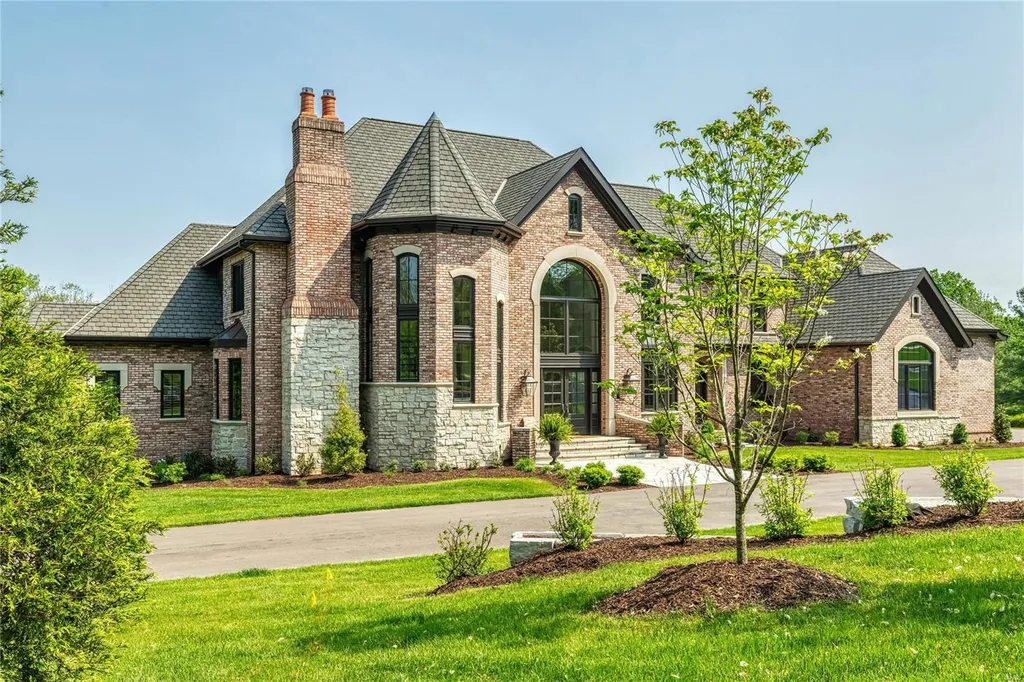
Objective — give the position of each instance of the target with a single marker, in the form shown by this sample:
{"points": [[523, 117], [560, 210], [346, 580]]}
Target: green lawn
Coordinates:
{"points": [[940, 606], [856, 459], [829, 525], [196, 506]]}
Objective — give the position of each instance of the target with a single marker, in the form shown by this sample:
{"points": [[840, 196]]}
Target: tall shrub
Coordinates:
{"points": [[342, 450], [1001, 428], [899, 435], [72, 545], [959, 436]]}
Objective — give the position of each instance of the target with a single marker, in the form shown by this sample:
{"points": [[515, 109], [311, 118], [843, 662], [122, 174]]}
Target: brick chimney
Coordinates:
{"points": [[318, 199], [320, 322]]}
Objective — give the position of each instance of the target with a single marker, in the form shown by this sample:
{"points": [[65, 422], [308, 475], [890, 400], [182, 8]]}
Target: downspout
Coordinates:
{"points": [[252, 361], [856, 400]]}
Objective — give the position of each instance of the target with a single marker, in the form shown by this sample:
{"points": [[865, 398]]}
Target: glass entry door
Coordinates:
{"points": [[572, 392]]}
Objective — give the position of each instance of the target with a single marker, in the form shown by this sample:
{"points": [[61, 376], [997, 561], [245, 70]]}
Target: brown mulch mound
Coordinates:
{"points": [[366, 479], [723, 585], [652, 547]]}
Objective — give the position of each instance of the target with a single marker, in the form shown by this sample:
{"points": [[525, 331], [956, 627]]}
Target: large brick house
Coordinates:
{"points": [[460, 285]]}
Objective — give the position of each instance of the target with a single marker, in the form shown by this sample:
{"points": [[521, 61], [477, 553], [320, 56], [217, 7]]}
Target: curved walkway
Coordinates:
{"points": [[392, 533]]}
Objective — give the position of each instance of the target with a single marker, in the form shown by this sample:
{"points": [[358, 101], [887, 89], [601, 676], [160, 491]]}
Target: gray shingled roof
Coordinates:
{"points": [[640, 202], [60, 314], [167, 298], [863, 305], [523, 186], [433, 179], [969, 320], [374, 148], [268, 222]]}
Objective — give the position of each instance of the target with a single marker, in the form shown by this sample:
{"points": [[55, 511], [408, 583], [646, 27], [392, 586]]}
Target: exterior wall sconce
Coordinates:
{"points": [[529, 385], [632, 380]]}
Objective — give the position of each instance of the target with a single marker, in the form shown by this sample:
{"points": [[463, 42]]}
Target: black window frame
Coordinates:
{"points": [[500, 358], [575, 214], [164, 405], [557, 311], [235, 389], [368, 308], [216, 388], [759, 313], [238, 287], [915, 305], [407, 315], [464, 336], [654, 399], [903, 371]]}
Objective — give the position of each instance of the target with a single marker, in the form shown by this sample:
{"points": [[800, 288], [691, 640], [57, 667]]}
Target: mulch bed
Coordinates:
{"points": [[724, 586], [652, 547], [375, 478]]}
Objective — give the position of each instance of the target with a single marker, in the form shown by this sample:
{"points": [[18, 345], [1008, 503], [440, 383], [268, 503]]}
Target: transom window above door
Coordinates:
{"points": [[570, 317]]}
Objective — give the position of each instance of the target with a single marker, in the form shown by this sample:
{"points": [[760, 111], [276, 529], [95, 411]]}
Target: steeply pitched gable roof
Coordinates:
{"points": [[60, 314], [432, 179], [518, 189], [267, 223], [167, 298]]}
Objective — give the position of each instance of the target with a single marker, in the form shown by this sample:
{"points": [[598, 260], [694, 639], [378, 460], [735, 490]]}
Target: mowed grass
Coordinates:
{"points": [[829, 525], [195, 506], [939, 606], [858, 459]]}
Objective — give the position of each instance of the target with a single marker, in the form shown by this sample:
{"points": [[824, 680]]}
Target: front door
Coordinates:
{"points": [[572, 392]]}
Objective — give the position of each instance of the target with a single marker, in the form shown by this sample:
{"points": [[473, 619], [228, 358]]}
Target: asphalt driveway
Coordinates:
{"points": [[387, 534]]}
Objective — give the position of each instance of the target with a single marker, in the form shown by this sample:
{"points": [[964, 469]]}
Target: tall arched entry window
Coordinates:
{"points": [[916, 377], [570, 343]]}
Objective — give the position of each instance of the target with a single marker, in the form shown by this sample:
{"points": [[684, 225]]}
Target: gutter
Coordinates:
{"points": [[252, 361]]}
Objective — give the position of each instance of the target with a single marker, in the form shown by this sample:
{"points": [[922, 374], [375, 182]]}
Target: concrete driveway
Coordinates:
{"points": [[392, 533]]}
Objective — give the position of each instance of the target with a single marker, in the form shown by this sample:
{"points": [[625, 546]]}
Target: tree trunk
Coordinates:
{"points": [[556, 449], [741, 528]]}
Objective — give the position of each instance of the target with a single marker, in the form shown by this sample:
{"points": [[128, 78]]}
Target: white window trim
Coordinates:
{"points": [[465, 272], [578, 191], [924, 340], [121, 367], [407, 248], [172, 367]]}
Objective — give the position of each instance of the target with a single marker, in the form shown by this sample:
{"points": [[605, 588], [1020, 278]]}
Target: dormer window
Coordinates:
{"points": [[915, 305], [575, 213]]}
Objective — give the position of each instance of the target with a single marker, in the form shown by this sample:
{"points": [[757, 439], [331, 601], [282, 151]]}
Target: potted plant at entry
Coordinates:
{"points": [[663, 425], [555, 429]]}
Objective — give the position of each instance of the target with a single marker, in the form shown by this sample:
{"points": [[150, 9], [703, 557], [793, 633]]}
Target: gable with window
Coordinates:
{"points": [[575, 213]]}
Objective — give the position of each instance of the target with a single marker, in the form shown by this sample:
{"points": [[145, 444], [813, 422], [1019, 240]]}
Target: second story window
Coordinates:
{"points": [[408, 316], [575, 213], [463, 315], [760, 321], [238, 287]]}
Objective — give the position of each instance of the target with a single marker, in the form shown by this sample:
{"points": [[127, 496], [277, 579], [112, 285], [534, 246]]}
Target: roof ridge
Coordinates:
{"points": [[545, 162], [125, 284], [482, 202], [629, 184], [453, 130], [397, 175]]}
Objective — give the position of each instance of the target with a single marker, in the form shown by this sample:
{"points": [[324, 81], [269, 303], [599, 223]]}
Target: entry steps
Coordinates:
{"points": [[596, 447]]}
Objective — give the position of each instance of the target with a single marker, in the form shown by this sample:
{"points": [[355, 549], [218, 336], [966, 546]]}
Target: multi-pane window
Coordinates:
{"points": [[235, 389], [916, 377], [172, 393], [659, 387], [463, 315], [408, 313], [238, 287], [368, 297], [500, 359], [575, 213], [216, 388], [111, 378], [760, 318], [569, 313]]}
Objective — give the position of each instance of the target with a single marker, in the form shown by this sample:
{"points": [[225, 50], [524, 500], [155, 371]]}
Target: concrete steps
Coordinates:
{"points": [[597, 447]]}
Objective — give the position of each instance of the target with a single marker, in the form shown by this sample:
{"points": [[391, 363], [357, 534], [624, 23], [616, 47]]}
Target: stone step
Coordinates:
{"points": [[594, 443], [638, 453]]}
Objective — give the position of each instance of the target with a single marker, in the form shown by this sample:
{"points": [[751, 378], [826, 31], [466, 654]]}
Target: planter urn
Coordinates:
{"points": [[662, 446], [556, 449]]}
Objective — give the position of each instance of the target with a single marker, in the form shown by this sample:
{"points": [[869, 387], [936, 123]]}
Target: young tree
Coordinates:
{"points": [[72, 545], [66, 292], [732, 256]]}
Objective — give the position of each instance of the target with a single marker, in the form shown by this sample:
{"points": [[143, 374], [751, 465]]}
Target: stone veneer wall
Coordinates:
{"points": [[928, 430], [406, 422], [312, 350], [231, 439]]}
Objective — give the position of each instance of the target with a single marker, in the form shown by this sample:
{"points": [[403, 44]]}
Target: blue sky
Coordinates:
{"points": [[140, 118]]}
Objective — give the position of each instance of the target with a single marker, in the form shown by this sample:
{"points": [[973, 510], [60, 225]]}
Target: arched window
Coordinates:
{"points": [[569, 310], [463, 319], [916, 377], [408, 317], [575, 213]]}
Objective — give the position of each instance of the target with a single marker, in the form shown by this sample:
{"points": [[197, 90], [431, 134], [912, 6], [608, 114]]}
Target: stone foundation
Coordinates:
{"points": [[928, 430], [410, 422], [317, 354], [231, 439]]}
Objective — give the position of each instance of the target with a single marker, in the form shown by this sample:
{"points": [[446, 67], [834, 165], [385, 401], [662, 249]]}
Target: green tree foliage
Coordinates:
{"points": [[72, 545], [1009, 364], [732, 252], [67, 292], [1001, 428], [17, 191], [342, 449]]}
